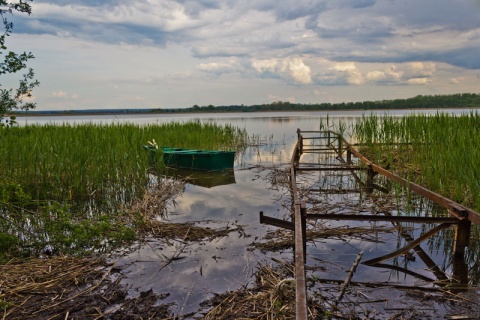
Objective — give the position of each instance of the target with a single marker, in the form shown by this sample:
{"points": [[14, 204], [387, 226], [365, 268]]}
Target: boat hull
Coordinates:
{"points": [[204, 160]]}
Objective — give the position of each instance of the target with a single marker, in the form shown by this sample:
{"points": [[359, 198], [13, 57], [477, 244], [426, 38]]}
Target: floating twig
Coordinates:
{"points": [[344, 285]]}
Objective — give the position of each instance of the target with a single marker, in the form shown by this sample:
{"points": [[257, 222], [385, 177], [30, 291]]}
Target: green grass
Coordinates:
{"points": [[65, 185], [93, 161], [440, 151]]}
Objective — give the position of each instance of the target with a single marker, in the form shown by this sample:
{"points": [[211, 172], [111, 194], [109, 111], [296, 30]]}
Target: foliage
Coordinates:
{"points": [[12, 63], [30, 227], [100, 163], [461, 100], [63, 189]]}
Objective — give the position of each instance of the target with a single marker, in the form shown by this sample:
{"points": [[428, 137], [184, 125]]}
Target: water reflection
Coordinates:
{"points": [[206, 179], [209, 266]]}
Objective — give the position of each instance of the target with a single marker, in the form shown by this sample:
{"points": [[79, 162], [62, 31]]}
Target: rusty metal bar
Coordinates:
{"points": [[461, 215], [432, 266], [367, 217], [303, 222], [314, 138], [346, 168], [301, 310], [276, 222], [306, 150], [410, 245], [332, 165], [336, 191]]}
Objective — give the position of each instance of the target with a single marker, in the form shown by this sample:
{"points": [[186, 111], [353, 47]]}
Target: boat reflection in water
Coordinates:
{"points": [[206, 179]]}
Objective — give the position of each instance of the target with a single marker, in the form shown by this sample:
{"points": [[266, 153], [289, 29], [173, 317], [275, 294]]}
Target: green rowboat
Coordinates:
{"points": [[205, 160]]}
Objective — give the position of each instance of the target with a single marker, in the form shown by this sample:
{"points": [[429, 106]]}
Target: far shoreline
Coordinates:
{"points": [[435, 102], [116, 112]]}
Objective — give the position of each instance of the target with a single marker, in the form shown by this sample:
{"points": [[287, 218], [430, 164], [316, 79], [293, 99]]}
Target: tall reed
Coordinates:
{"points": [[440, 151], [100, 162]]}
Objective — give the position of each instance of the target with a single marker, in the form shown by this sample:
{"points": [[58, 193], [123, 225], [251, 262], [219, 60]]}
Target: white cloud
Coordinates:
{"points": [[349, 71], [290, 69], [217, 67], [299, 72], [265, 66], [414, 81], [376, 76], [59, 94]]}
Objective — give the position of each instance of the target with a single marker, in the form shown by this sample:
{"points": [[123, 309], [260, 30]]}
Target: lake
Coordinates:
{"points": [[235, 200]]}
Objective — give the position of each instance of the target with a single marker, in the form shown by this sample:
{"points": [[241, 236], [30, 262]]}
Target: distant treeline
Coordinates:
{"points": [[459, 100]]}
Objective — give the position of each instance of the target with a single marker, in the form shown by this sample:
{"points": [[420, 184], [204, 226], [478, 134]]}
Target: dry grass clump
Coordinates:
{"points": [[148, 211], [283, 239], [157, 196], [71, 288], [25, 284], [189, 231], [272, 297]]}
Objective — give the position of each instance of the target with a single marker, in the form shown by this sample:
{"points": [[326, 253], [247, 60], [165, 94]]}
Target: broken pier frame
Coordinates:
{"points": [[460, 216]]}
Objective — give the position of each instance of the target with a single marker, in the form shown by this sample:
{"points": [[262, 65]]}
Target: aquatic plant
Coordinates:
{"points": [[438, 151], [99, 162], [65, 186]]}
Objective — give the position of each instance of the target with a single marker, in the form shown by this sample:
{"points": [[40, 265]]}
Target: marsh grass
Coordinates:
{"points": [[438, 151], [64, 186], [82, 162]]}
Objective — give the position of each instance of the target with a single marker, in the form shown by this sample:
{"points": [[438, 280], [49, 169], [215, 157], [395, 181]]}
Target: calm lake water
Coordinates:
{"points": [[228, 263]]}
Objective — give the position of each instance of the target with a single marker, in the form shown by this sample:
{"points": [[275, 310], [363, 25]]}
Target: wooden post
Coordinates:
{"points": [[300, 139], [339, 145], [303, 212], [462, 236], [369, 183], [460, 269]]}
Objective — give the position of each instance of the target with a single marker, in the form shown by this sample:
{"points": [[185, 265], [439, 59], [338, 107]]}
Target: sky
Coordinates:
{"points": [[102, 54]]}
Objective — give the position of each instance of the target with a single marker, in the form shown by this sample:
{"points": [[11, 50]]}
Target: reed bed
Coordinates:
{"points": [[81, 162], [63, 188], [438, 151]]}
